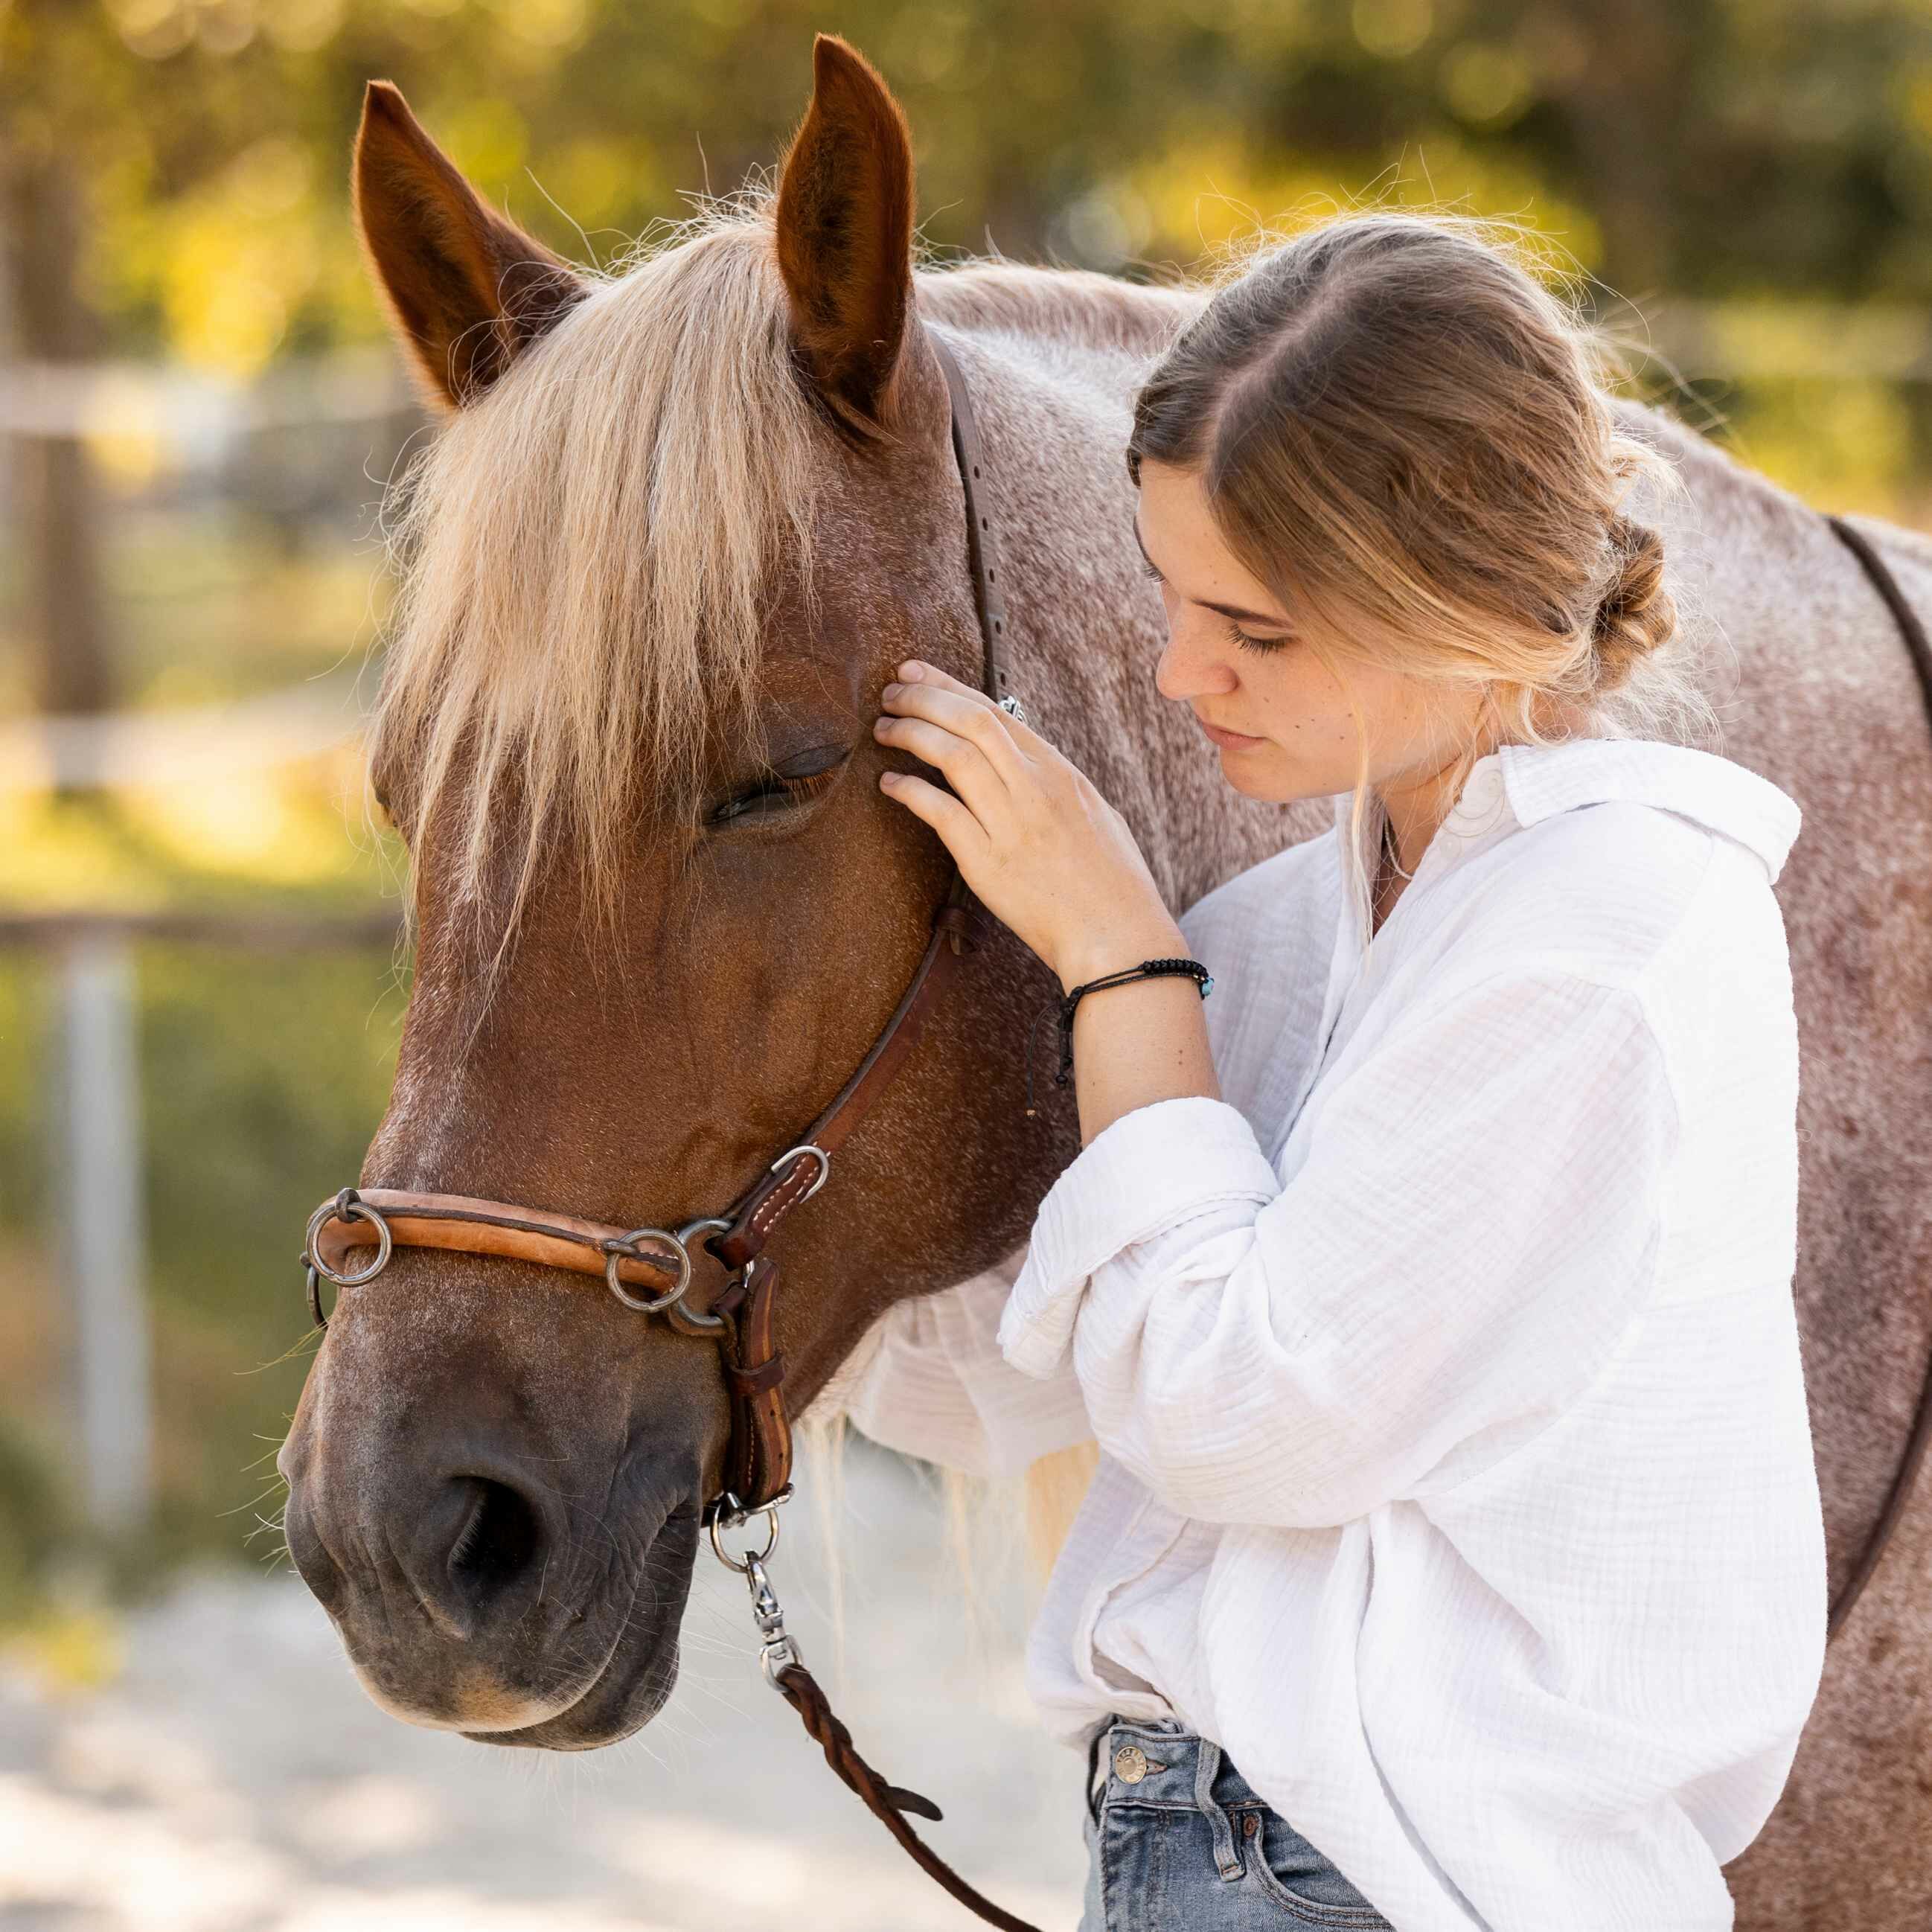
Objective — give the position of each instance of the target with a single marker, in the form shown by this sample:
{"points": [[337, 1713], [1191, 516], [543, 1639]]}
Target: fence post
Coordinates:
{"points": [[105, 1236]]}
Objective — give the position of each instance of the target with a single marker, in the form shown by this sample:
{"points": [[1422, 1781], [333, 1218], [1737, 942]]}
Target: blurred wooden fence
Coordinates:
{"points": [[98, 1157]]}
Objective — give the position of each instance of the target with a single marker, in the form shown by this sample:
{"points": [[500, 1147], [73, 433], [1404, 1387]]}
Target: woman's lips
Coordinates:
{"points": [[1232, 741]]}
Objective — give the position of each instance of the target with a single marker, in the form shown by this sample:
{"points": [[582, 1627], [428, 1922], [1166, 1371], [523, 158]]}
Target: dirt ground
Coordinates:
{"points": [[231, 1776]]}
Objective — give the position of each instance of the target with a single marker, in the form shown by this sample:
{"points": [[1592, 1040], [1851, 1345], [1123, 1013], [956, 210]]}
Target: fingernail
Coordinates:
{"points": [[889, 778], [893, 690], [911, 668]]}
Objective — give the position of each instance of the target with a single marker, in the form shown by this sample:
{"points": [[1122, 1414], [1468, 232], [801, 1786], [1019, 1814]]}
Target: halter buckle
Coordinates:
{"points": [[824, 1166]]}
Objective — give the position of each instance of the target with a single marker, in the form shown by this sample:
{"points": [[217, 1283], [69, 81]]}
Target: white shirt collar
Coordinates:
{"points": [[1533, 781]]}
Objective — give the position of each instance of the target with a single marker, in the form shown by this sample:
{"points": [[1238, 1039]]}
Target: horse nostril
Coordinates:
{"points": [[498, 1542]]}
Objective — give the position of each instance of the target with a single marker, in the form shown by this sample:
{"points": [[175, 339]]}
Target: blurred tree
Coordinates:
{"points": [[1679, 143], [173, 186], [174, 172], [42, 192]]}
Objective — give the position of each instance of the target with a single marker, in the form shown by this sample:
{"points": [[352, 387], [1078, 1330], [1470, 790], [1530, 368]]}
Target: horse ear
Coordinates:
{"points": [[844, 220], [467, 289]]}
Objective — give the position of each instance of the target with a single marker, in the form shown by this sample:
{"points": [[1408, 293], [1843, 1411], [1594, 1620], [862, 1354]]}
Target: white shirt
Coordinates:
{"points": [[1456, 1473]]}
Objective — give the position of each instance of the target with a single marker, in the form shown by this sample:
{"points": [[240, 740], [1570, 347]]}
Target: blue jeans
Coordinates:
{"points": [[1177, 1841]]}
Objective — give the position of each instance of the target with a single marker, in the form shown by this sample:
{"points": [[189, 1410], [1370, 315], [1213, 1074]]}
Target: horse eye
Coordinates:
{"points": [[784, 791], [762, 801]]}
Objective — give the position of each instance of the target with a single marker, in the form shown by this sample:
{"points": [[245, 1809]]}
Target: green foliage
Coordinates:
{"points": [[32, 1525], [1692, 148], [264, 1077]]}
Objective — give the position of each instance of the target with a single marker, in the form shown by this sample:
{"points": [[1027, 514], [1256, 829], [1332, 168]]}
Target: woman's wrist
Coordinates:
{"points": [[1099, 955], [1129, 1051]]}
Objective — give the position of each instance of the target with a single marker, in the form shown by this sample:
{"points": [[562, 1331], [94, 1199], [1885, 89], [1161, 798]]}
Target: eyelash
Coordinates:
{"points": [[1234, 633], [779, 794]]}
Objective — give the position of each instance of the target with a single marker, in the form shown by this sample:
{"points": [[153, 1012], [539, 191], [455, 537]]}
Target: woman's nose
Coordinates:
{"points": [[1191, 665]]}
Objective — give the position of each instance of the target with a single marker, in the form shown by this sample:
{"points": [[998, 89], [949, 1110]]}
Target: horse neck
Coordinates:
{"points": [[1053, 384]]}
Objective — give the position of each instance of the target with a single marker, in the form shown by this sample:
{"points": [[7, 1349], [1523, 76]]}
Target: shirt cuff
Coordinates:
{"points": [[1153, 1166]]}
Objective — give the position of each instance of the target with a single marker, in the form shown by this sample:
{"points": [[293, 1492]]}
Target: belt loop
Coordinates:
{"points": [[1093, 1778], [1207, 1764]]}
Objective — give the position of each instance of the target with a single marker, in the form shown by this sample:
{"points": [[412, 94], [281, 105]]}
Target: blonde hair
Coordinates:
{"points": [[1395, 419]]}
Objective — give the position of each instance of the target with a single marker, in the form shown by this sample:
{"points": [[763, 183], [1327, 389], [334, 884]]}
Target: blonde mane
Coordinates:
{"points": [[584, 550], [584, 553]]}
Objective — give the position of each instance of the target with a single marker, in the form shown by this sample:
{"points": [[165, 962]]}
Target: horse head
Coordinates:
{"points": [[679, 522]]}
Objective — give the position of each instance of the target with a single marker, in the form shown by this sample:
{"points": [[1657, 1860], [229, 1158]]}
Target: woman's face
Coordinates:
{"points": [[1239, 661]]}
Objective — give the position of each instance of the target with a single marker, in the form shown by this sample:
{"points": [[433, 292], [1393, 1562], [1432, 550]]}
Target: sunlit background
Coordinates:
{"points": [[200, 995]]}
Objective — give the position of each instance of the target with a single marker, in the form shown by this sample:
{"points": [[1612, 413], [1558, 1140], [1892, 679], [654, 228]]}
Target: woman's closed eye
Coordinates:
{"points": [[1235, 634]]}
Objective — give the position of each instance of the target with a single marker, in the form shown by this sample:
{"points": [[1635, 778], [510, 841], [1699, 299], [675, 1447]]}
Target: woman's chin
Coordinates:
{"points": [[1268, 775], [1254, 769]]}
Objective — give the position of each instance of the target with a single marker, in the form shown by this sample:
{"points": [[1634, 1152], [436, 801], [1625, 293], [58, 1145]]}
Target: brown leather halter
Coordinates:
{"points": [[758, 1461]]}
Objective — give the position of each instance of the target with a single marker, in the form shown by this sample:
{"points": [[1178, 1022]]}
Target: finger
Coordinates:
{"points": [[918, 671], [966, 768], [919, 675], [964, 836], [1024, 735], [968, 715]]}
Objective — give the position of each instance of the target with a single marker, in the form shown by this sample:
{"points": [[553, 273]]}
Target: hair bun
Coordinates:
{"points": [[1637, 613]]}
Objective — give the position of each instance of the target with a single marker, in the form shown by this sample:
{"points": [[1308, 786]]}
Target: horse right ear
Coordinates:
{"points": [[843, 230], [467, 290]]}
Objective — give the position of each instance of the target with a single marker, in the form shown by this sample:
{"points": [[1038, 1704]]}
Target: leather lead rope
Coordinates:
{"points": [[743, 1319]]}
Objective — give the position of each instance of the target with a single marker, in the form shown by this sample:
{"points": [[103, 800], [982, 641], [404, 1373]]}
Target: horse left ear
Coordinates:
{"points": [[467, 289], [845, 221]]}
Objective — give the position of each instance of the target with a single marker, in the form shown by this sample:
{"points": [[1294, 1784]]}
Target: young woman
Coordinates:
{"points": [[1454, 1558]]}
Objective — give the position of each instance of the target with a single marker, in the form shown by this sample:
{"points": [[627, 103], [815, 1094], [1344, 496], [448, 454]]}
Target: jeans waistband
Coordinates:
{"points": [[1161, 1765], [1138, 1770], [1143, 1767]]}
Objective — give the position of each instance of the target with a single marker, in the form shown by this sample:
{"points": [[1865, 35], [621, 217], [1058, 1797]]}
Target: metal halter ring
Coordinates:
{"points": [[351, 1208], [824, 1166], [731, 1514], [684, 1234], [620, 1247]]}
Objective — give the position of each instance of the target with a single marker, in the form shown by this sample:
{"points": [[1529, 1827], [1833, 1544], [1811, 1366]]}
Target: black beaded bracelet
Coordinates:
{"points": [[1148, 969]]}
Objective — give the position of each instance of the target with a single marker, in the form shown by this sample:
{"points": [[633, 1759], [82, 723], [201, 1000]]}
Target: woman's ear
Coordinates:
{"points": [[467, 289]]}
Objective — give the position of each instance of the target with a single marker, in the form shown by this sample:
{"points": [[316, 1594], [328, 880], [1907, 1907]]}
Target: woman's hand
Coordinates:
{"points": [[1043, 850]]}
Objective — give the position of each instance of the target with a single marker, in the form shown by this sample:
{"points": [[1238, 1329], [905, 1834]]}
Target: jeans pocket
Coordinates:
{"points": [[1283, 1865]]}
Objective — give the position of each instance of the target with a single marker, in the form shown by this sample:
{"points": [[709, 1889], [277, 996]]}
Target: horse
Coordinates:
{"points": [[682, 515]]}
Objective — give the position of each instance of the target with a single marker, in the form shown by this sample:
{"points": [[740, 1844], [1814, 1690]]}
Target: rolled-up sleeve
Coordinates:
{"points": [[1470, 1230], [929, 1380]]}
